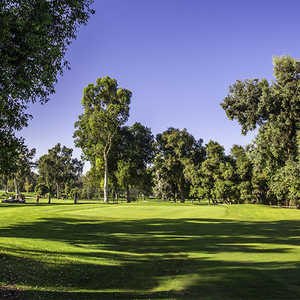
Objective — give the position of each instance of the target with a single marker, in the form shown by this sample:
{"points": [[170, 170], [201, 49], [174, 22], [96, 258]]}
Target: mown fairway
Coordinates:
{"points": [[149, 250]]}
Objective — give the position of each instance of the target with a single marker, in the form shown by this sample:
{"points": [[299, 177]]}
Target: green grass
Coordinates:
{"points": [[149, 250]]}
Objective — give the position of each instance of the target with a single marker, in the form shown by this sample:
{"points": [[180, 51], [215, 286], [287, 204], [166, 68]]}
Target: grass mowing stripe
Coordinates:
{"points": [[150, 250]]}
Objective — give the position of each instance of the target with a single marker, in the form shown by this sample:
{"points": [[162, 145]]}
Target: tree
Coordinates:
{"points": [[47, 172], [30, 182], [135, 149], [176, 149], [274, 107], [41, 189], [243, 169], [34, 37], [106, 109], [19, 165], [10, 148], [164, 185], [226, 186], [24, 166], [216, 177], [285, 184], [58, 168], [210, 172], [75, 193], [90, 184]]}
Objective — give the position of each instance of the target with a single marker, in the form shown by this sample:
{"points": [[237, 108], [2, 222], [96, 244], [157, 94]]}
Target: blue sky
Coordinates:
{"points": [[178, 57]]}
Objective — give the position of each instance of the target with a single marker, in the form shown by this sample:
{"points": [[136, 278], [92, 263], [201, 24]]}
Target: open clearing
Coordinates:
{"points": [[149, 250]]}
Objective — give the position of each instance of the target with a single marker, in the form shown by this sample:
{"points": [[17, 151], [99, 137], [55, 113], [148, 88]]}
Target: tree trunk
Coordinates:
{"points": [[16, 186], [75, 198], [105, 179], [127, 194], [6, 184], [182, 200], [49, 198], [57, 190]]}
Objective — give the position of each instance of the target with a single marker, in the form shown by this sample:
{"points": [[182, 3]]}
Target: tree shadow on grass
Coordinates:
{"points": [[135, 259]]}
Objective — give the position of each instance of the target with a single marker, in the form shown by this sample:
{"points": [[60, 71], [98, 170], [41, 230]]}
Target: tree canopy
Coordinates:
{"points": [[176, 150], [58, 169], [106, 109], [34, 37], [273, 106], [135, 152]]}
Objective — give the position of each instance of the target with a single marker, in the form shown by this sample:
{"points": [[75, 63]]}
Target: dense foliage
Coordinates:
{"points": [[58, 171], [128, 161], [177, 150], [34, 37], [275, 108], [106, 109]]}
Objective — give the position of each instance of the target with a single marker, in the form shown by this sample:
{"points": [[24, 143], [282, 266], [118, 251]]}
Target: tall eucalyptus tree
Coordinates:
{"points": [[106, 109]]}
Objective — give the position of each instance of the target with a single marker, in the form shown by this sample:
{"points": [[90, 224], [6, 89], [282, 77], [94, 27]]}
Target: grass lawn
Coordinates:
{"points": [[148, 250]]}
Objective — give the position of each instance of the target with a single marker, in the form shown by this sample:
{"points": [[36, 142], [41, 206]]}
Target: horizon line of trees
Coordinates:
{"points": [[266, 171], [174, 166]]}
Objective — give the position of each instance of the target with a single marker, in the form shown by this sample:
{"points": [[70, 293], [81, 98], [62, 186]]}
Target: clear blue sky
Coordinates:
{"points": [[178, 57]]}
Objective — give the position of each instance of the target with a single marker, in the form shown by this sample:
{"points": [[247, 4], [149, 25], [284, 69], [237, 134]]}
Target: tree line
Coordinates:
{"points": [[34, 38], [174, 165], [265, 171]]}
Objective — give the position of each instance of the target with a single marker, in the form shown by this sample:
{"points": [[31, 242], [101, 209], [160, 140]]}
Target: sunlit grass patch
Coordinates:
{"points": [[145, 251]]}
